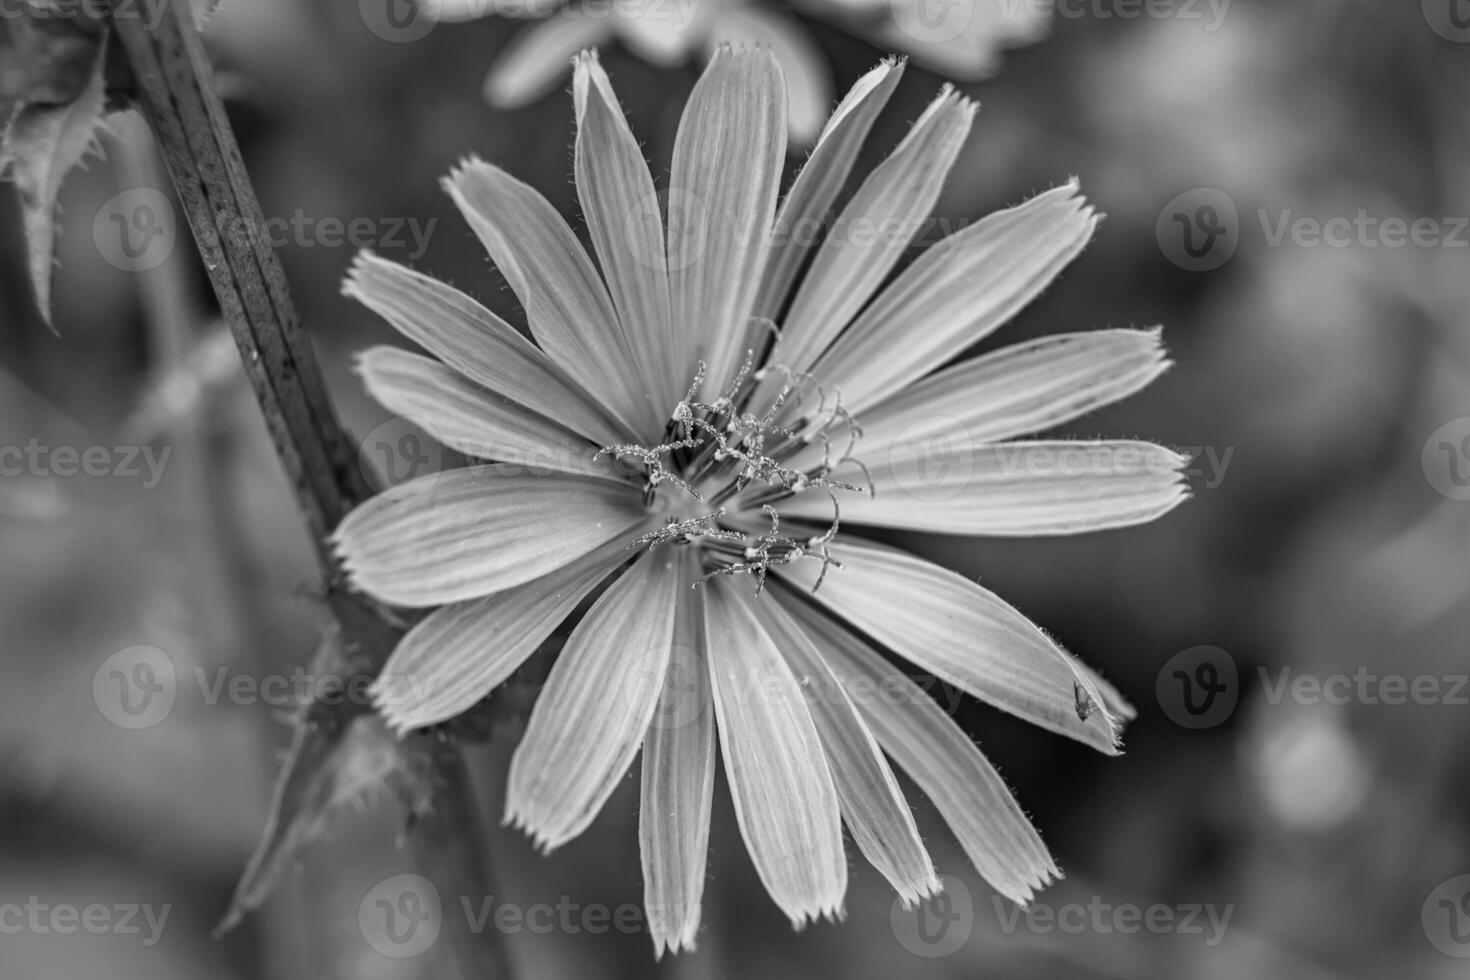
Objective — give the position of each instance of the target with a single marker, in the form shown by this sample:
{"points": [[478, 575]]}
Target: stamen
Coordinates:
{"points": [[719, 444], [652, 459], [775, 548], [683, 532]]}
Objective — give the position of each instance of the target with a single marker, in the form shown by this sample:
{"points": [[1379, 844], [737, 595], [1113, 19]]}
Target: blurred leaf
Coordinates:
{"points": [[46, 59], [44, 140], [331, 764]]}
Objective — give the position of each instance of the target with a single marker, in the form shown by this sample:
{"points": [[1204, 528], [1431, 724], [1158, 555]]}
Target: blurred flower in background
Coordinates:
{"points": [[961, 39]]}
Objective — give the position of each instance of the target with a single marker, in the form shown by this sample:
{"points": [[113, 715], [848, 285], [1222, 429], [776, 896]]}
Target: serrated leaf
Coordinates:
{"points": [[42, 143]]}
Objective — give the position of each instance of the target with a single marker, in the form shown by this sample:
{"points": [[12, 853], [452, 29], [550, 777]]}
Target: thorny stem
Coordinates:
{"points": [[175, 88]]}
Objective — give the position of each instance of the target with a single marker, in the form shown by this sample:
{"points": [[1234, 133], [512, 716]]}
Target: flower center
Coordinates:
{"points": [[722, 468]]}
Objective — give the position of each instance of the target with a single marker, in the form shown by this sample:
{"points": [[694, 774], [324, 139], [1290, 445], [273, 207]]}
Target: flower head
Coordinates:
{"points": [[706, 413], [960, 38]]}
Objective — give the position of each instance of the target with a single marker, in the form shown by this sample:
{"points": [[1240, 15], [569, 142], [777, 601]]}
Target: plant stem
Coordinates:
{"points": [[174, 85]]}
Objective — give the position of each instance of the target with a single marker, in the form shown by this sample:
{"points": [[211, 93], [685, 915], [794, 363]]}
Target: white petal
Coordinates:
{"points": [[808, 85], [476, 343], [785, 802], [447, 537], [943, 481], [477, 422], [458, 654], [537, 58], [872, 803], [873, 231], [728, 157], [678, 786], [1017, 390], [955, 294], [627, 228], [961, 633], [803, 214], [566, 304], [590, 719], [947, 766]]}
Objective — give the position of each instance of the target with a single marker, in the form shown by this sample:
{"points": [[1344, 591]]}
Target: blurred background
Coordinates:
{"points": [[1287, 188]]}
